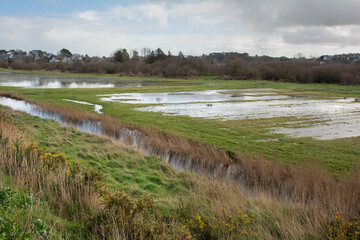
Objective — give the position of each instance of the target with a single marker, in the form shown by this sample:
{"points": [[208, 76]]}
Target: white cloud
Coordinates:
{"points": [[142, 13], [88, 15]]}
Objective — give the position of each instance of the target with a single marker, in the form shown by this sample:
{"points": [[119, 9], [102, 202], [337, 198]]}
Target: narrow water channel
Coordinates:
{"points": [[178, 158]]}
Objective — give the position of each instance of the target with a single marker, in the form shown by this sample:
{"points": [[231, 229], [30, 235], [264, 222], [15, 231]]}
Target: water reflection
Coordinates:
{"points": [[51, 81], [341, 116], [97, 108], [326, 118], [193, 96], [85, 126]]}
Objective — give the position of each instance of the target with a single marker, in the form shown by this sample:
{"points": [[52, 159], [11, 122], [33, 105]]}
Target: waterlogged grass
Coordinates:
{"points": [[247, 137]]}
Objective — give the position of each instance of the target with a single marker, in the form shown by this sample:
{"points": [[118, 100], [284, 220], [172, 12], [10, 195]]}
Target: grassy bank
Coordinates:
{"points": [[184, 205]]}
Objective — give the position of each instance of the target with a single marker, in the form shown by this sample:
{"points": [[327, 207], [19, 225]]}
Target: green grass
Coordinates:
{"points": [[23, 216], [339, 157], [125, 169]]}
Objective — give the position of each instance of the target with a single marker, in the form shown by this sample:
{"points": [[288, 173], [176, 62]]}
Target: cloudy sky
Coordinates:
{"points": [[262, 27]]}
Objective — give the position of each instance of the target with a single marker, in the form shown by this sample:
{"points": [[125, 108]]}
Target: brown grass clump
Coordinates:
{"points": [[11, 132]]}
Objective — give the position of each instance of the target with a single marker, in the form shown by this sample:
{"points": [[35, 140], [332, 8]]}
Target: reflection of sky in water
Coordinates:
{"points": [[37, 82], [49, 81], [55, 84], [339, 117], [97, 108], [19, 105], [342, 116], [191, 97], [259, 109]]}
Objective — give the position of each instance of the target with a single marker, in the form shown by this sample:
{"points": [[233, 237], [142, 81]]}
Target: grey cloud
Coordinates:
{"points": [[310, 35], [263, 14], [320, 13], [319, 35]]}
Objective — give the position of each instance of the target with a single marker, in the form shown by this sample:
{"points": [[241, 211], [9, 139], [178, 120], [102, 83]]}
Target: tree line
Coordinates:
{"points": [[230, 65]]}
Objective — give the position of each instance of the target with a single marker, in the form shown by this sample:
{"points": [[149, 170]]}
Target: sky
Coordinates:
{"points": [[195, 27]]}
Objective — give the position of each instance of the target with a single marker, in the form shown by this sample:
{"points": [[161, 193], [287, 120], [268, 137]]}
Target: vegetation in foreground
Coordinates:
{"points": [[80, 201]]}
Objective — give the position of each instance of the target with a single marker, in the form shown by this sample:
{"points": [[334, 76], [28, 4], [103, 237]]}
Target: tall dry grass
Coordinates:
{"points": [[313, 188], [309, 186]]}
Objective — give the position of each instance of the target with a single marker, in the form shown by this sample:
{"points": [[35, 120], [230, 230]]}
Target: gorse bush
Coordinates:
{"points": [[218, 225], [344, 228]]}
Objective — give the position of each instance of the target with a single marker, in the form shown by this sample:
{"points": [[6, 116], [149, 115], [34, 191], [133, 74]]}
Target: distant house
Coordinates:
{"points": [[10, 55], [53, 59], [325, 58]]}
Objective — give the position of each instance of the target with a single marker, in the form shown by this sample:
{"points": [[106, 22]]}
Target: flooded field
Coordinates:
{"points": [[53, 81], [206, 96], [324, 118]]}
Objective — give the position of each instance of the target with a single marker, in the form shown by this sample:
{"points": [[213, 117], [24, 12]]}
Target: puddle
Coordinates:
{"points": [[51, 81], [343, 126], [97, 108], [267, 140], [192, 97]]}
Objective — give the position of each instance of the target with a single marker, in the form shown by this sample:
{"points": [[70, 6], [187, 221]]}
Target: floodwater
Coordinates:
{"points": [[97, 107], [322, 119], [207, 96], [52, 81]]}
